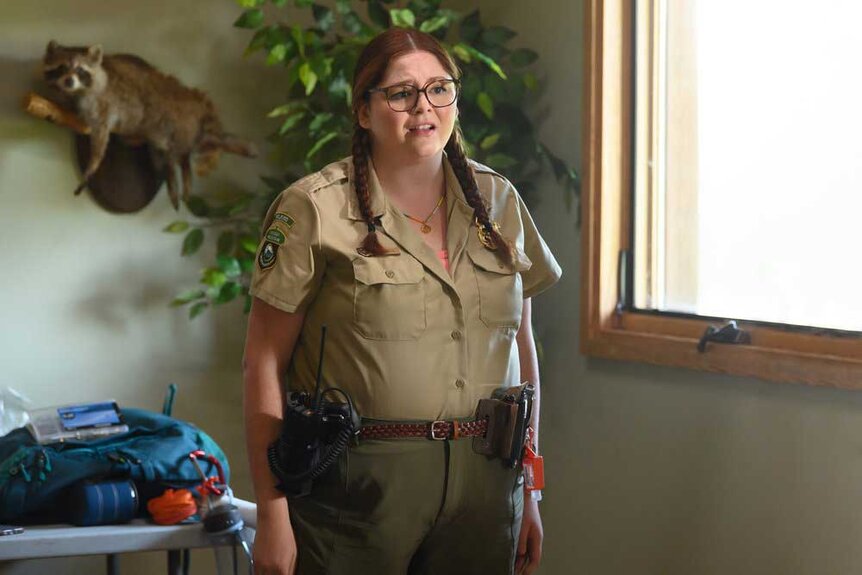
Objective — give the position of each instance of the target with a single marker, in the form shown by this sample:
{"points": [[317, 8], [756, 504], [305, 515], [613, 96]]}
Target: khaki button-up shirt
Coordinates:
{"points": [[405, 338]]}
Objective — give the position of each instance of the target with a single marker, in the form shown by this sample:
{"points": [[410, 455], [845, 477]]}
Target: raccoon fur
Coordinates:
{"points": [[125, 95]]}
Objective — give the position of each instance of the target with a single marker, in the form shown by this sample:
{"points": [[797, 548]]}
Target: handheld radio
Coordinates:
{"points": [[314, 433]]}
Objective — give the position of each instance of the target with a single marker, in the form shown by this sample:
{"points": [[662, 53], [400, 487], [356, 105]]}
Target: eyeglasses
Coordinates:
{"points": [[404, 97]]}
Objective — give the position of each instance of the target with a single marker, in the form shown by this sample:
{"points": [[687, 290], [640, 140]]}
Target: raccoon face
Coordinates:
{"points": [[71, 69]]}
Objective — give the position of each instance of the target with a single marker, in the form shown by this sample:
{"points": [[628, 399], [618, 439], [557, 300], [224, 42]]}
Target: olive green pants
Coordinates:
{"points": [[410, 506]]}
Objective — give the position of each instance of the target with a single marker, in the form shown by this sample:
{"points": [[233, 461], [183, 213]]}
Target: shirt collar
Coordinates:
{"points": [[379, 203]]}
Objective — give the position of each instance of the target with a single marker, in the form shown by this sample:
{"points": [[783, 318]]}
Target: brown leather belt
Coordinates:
{"points": [[436, 430]]}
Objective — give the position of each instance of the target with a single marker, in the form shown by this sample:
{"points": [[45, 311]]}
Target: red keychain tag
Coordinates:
{"points": [[534, 470]]}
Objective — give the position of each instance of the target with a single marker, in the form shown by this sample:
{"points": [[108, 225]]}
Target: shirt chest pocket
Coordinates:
{"points": [[389, 298], [501, 298]]}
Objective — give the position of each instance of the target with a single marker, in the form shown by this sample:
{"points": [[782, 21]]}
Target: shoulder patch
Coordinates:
{"points": [[284, 218], [266, 257]]}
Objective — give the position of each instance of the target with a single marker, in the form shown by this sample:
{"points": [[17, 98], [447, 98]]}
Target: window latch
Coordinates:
{"points": [[728, 333]]}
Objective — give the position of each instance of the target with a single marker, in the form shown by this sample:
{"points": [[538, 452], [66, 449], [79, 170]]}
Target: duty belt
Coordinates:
{"points": [[436, 430]]}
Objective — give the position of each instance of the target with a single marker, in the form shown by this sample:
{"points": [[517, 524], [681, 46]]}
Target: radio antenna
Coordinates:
{"points": [[317, 402]]}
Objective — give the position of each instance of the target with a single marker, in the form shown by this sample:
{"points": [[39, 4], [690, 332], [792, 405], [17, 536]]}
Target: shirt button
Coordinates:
{"points": [[456, 335], [459, 383], [390, 274]]}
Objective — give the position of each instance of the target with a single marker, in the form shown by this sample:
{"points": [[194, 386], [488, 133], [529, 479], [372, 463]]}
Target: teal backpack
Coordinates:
{"points": [[154, 453]]}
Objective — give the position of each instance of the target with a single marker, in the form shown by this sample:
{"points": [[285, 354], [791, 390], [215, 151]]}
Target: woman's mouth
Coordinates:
{"points": [[421, 129]]}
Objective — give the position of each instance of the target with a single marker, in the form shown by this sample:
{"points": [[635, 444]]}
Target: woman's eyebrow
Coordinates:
{"points": [[414, 82]]}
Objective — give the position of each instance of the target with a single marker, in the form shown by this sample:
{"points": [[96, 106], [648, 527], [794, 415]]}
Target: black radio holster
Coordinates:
{"points": [[311, 440]]}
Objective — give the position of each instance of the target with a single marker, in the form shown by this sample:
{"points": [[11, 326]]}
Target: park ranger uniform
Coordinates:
{"points": [[408, 341]]}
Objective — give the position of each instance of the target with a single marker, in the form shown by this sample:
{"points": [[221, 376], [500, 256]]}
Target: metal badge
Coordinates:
{"points": [[485, 238]]}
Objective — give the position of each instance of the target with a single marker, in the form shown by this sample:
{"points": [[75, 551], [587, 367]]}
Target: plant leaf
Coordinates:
{"points": [[277, 53], [530, 82], [497, 35], [489, 141], [282, 110], [290, 122], [249, 244], [461, 51], [324, 16], [471, 27], [250, 19], [434, 23], [258, 41], [298, 39], [249, 3], [318, 122], [307, 77], [483, 100], [320, 143], [186, 297], [523, 57], [378, 14], [213, 277], [246, 264], [403, 18], [229, 265], [228, 292], [485, 60], [303, 3], [198, 206], [197, 309], [176, 227], [192, 242]]}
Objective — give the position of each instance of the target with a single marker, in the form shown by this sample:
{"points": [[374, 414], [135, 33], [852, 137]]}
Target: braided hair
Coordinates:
{"points": [[361, 148], [370, 69], [467, 178]]}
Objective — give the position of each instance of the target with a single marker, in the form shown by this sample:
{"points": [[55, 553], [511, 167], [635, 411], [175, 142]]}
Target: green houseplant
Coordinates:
{"points": [[314, 125]]}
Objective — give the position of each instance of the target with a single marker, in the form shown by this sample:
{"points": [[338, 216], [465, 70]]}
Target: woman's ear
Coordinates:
{"points": [[364, 116]]}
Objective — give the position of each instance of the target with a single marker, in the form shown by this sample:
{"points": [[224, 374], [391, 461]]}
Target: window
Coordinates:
{"points": [[721, 182]]}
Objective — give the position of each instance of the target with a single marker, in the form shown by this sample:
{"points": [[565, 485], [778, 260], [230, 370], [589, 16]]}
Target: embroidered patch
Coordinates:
{"points": [[275, 236], [266, 258], [285, 218]]}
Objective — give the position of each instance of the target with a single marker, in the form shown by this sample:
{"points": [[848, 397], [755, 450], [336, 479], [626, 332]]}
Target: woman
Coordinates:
{"points": [[422, 265]]}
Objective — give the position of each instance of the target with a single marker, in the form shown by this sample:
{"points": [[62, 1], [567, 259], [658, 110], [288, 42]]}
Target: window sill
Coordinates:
{"points": [[774, 354]]}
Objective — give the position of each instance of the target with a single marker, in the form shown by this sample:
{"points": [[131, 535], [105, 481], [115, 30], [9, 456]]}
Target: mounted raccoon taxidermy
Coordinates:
{"points": [[124, 95]]}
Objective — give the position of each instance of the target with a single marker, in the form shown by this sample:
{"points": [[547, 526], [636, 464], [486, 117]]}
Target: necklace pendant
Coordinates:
{"points": [[426, 229]]}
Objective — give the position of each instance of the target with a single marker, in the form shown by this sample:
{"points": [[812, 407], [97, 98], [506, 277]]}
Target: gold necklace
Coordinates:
{"points": [[426, 229]]}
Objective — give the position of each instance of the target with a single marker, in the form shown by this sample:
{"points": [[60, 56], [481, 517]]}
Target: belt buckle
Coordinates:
{"points": [[432, 432]]}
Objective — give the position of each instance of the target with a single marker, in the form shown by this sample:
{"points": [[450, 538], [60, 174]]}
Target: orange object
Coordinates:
{"points": [[533, 463], [172, 506], [534, 470]]}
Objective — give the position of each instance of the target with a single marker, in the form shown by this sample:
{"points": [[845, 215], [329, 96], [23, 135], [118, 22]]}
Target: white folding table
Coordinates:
{"points": [[42, 541]]}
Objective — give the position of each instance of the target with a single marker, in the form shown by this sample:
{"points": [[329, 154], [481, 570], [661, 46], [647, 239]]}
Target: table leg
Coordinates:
{"points": [[113, 564], [174, 567]]}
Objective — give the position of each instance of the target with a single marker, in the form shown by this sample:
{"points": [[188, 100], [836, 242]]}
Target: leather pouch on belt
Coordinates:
{"points": [[502, 413]]}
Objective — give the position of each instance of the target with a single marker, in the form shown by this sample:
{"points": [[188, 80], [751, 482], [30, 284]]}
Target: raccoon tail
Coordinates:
{"points": [[230, 144]]}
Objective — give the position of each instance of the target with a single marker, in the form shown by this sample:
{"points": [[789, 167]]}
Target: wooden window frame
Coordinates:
{"points": [[817, 358]]}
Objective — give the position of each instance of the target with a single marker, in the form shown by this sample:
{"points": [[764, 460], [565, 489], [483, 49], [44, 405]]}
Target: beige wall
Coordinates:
{"points": [[660, 471], [84, 312]]}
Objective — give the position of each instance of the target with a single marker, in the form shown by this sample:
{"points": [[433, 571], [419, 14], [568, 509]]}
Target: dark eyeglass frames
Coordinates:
{"points": [[404, 97]]}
